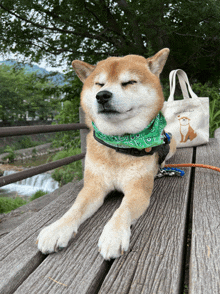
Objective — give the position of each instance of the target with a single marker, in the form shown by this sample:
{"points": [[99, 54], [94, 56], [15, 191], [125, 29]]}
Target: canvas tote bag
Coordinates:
{"points": [[187, 119]]}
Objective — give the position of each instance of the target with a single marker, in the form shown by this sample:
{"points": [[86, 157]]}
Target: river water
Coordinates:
{"points": [[29, 186]]}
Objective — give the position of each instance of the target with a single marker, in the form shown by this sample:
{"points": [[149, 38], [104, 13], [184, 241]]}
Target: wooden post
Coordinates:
{"points": [[83, 134]]}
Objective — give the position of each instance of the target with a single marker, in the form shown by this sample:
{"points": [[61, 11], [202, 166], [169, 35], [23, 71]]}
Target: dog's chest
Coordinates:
{"points": [[119, 173], [184, 130]]}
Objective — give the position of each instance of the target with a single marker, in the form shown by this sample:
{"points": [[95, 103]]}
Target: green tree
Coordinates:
{"points": [[69, 112], [12, 93], [22, 92], [95, 29], [43, 100]]}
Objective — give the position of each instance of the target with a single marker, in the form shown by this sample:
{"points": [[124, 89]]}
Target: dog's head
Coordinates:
{"points": [[122, 94], [184, 121]]}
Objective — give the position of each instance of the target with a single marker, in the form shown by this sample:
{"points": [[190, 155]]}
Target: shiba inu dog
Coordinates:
{"points": [[122, 99]]}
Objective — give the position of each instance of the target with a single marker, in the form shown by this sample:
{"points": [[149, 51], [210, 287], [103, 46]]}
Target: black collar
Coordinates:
{"points": [[162, 150]]}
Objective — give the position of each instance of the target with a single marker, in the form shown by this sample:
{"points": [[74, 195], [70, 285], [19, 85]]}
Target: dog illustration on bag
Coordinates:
{"points": [[186, 131]]}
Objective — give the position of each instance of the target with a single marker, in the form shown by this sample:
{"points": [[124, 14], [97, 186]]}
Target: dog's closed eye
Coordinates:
{"points": [[128, 83], [100, 84]]}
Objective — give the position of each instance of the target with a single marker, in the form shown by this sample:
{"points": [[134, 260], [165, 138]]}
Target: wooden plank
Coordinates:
{"points": [[154, 263], [73, 269], [205, 248], [19, 254], [13, 219], [81, 269]]}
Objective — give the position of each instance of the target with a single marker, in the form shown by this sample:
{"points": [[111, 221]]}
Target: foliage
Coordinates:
{"points": [[93, 30], [11, 154], [38, 194], [34, 153], [22, 142], [166, 88], [213, 92], [26, 142], [69, 112], [70, 172], [7, 204], [214, 119], [22, 92]]}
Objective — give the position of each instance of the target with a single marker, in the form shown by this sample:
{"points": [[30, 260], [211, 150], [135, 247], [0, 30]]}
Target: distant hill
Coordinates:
{"points": [[57, 79]]}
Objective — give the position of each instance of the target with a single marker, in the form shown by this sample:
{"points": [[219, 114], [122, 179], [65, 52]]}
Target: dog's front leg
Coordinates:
{"points": [[57, 235], [115, 237]]}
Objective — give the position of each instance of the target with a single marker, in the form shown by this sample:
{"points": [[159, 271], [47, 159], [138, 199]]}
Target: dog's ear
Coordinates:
{"points": [[82, 69], [157, 62]]}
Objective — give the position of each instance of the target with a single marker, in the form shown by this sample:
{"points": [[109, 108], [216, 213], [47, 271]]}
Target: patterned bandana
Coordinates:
{"points": [[151, 136]]}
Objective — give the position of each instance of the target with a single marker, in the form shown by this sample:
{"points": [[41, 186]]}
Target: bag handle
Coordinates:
{"points": [[183, 79], [172, 78]]}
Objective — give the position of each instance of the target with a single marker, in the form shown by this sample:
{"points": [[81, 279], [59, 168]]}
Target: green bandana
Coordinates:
{"points": [[151, 136]]}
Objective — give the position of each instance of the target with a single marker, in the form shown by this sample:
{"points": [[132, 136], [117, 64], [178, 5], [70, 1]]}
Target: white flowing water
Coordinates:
{"points": [[31, 185]]}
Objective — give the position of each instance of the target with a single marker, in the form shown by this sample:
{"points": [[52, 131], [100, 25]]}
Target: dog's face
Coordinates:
{"points": [[122, 94], [184, 121]]}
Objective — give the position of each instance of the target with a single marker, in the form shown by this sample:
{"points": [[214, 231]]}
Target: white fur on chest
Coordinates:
{"points": [[184, 130], [117, 177]]}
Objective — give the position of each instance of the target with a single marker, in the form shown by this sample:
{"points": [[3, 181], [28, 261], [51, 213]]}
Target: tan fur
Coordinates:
{"points": [[105, 169], [135, 65]]}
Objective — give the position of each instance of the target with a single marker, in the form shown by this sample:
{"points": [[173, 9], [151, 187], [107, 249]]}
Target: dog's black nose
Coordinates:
{"points": [[103, 96]]}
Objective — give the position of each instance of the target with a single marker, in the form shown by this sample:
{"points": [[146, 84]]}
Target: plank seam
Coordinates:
{"points": [[184, 286], [102, 273]]}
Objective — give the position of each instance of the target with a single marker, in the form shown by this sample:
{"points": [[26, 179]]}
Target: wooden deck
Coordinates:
{"points": [[156, 258]]}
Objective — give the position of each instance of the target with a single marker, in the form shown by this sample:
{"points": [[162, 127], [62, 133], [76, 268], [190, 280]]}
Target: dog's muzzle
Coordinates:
{"points": [[103, 97]]}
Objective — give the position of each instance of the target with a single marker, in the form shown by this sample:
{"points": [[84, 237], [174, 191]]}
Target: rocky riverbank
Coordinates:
{"points": [[4, 167], [30, 152]]}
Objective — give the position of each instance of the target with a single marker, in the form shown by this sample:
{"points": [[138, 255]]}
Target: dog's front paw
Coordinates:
{"points": [[114, 241], [54, 237]]}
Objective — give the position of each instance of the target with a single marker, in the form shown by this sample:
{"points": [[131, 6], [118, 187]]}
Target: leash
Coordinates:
{"points": [[193, 165], [172, 170]]}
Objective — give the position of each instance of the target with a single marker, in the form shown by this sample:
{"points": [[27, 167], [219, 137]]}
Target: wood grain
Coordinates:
{"points": [[13, 219], [81, 269], [205, 248], [73, 269], [19, 253], [154, 263]]}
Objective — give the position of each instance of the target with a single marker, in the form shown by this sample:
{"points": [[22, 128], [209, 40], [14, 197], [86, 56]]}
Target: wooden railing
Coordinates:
{"points": [[17, 131]]}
